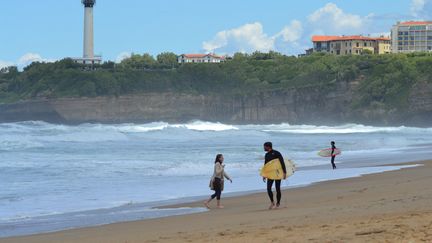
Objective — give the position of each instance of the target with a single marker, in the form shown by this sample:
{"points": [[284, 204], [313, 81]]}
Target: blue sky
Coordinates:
{"points": [[52, 29]]}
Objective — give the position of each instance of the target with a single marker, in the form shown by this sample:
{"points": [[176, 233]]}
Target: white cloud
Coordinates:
{"points": [[417, 5], [25, 60], [421, 9], [246, 38], [292, 32], [331, 19], [294, 38], [123, 56], [28, 58], [251, 37], [4, 64]]}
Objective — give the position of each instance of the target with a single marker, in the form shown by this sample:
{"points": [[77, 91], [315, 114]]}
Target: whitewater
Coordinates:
{"points": [[56, 177]]}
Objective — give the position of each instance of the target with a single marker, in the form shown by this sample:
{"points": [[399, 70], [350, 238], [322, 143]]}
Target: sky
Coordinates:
{"points": [[50, 30]]}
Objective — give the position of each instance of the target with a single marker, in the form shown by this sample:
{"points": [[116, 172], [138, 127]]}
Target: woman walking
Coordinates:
{"points": [[217, 181]]}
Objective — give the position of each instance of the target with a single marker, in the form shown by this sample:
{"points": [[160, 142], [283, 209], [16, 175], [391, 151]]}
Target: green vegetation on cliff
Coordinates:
{"points": [[385, 80]]}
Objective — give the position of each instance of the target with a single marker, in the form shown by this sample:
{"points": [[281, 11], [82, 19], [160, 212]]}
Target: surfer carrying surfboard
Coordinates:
{"points": [[333, 154], [330, 152], [271, 156], [217, 181]]}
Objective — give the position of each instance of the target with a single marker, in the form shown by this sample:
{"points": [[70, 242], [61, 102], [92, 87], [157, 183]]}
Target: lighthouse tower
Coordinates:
{"points": [[88, 28], [88, 47]]}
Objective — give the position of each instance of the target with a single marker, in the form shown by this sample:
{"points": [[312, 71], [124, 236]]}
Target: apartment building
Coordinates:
{"points": [[350, 45], [412, 36]]}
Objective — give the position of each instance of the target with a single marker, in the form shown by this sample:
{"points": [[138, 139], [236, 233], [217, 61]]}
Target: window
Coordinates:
{"points": [[418, 27], [346, 52], [365, 44], [357, 44]]}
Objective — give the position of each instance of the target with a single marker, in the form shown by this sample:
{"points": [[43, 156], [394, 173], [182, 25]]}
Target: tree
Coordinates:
{"points": [[366, 52], [238, 56], [108, 65], [11, 70], [167, 59], [137, 61], [383, 79]]}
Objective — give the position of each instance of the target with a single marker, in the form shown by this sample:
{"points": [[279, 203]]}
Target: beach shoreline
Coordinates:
{"points": [[374, 209]]}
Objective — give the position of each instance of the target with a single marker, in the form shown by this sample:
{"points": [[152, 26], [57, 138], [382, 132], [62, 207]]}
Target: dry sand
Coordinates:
{"points": [[388, 207]]}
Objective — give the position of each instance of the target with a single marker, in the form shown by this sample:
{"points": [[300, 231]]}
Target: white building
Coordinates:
{"points": [[88, 61], [412, 36], [200, 58]]}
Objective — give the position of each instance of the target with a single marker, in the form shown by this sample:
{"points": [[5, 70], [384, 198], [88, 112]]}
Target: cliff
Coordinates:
{"points": [[308, 105]]}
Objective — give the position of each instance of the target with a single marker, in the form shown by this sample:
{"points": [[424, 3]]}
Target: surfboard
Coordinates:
{"points": [[273, 169], [327, 152]]}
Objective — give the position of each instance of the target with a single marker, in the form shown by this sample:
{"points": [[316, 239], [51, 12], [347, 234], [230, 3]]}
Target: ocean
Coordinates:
{"points": [[55, 177]]}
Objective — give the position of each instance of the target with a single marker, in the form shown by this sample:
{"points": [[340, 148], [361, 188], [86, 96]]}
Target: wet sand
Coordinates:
{"points": [[392, 206]]}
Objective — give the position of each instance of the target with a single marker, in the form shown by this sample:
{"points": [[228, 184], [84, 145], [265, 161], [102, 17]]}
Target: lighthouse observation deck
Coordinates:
{"points": [[88, 3]]}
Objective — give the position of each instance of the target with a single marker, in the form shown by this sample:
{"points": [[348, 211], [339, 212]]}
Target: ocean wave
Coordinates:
{"points": [[8, 144], [34, 134], [206, 126], [43, 128], [343, 129], [159, 126]]}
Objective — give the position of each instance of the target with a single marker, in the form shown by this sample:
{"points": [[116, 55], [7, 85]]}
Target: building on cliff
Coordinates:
{"points": [[412, 36], [200, 58], [350, 45]]}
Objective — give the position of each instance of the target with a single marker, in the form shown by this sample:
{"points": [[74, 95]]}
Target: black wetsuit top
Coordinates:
{"points": [[333, 150], [275, 155]]}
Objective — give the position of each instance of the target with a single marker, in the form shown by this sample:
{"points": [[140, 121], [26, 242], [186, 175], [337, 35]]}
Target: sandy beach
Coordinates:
{"points": [[393, 206]]}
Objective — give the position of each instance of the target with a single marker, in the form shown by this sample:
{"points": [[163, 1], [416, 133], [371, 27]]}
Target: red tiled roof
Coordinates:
{"points": [[320, 38], [200, 55], [324, 38], [416, 23]]}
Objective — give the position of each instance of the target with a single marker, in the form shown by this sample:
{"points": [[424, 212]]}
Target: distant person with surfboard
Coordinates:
{"points": [[333, 154], [274, 176], [217, 181]]}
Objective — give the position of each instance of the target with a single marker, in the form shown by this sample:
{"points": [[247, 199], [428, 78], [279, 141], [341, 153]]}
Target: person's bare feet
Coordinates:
{"points": [[277, 206], [207, 205], [220, 206], [272, 205]]}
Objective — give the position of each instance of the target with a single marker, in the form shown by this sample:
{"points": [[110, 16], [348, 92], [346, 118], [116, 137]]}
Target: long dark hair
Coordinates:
{"points": [[218, 157]]}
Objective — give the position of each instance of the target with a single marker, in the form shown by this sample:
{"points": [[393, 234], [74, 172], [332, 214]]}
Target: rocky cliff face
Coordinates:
{"points": [[299, 106]]}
